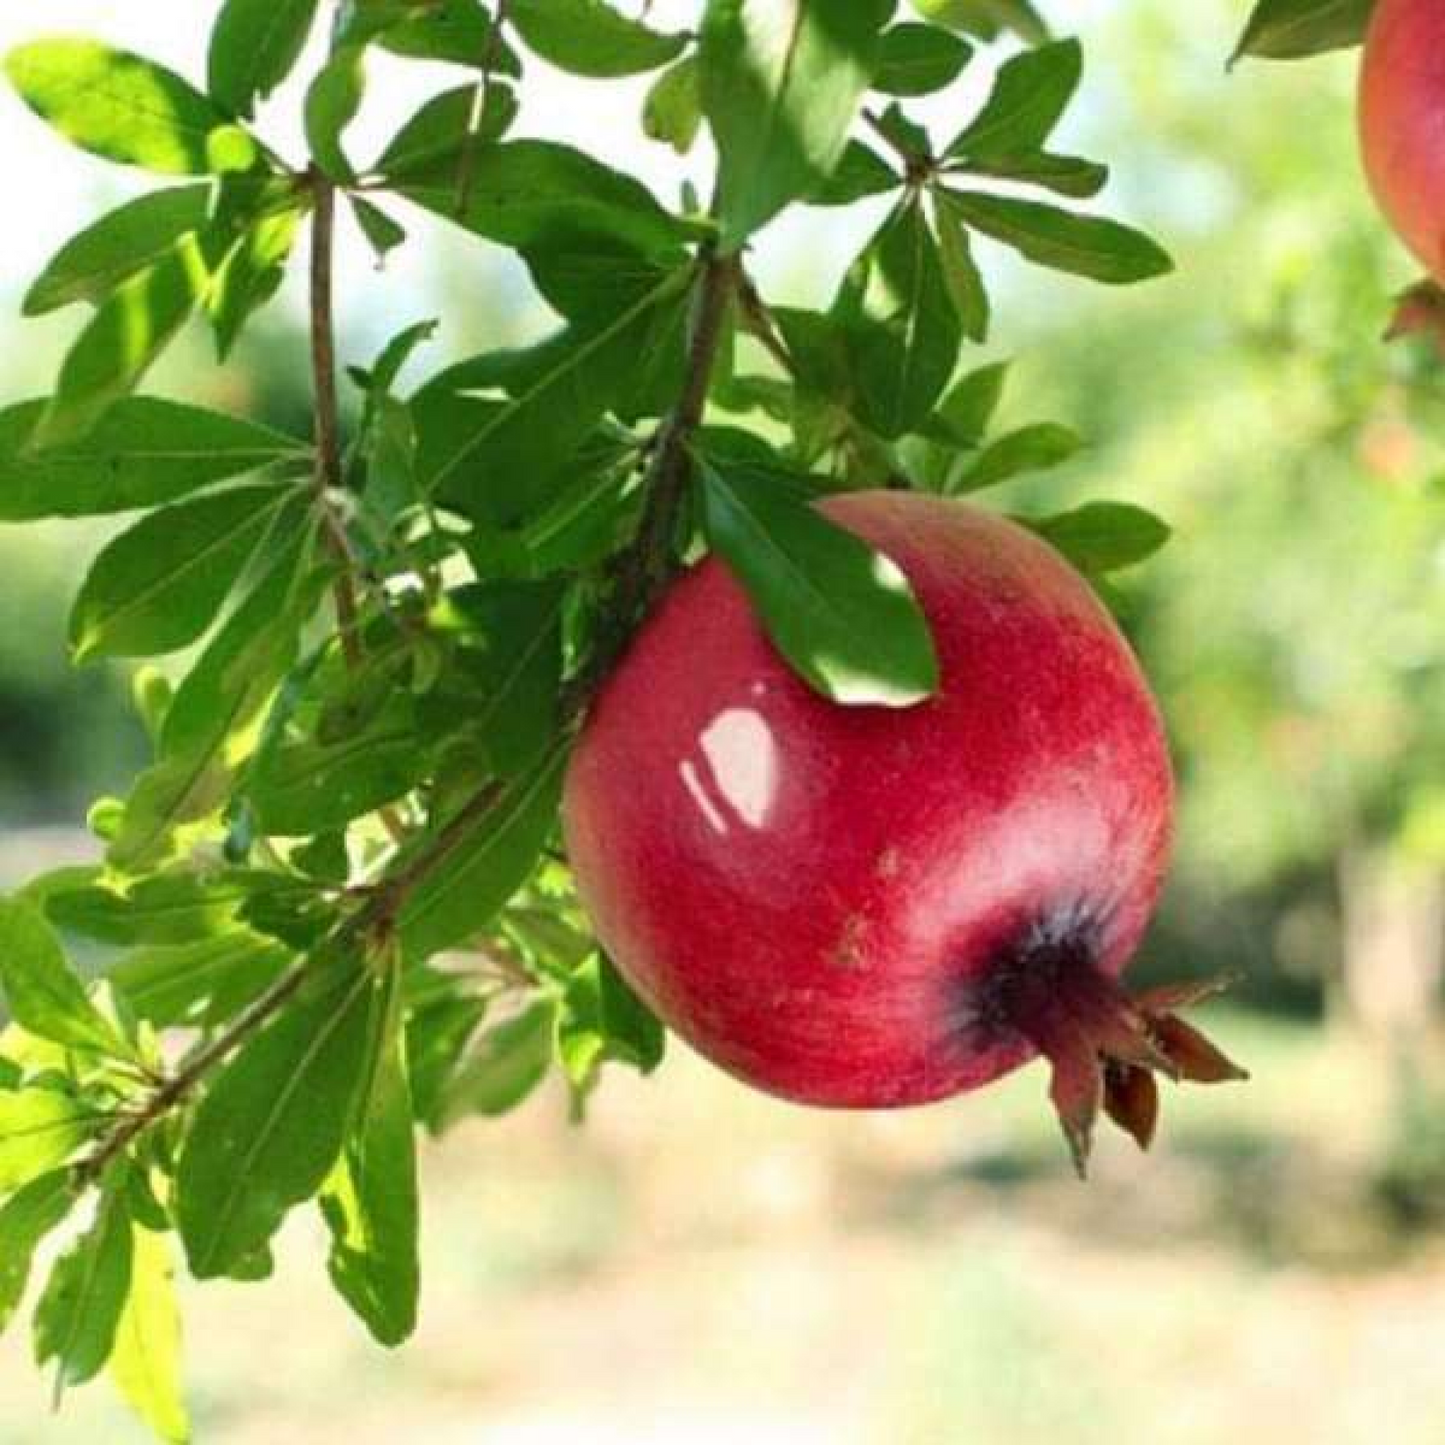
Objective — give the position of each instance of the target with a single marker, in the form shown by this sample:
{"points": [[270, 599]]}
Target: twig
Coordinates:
{"points": [[328, 475], [647, 565], [330, 468], [178, 1087], [758, 322], [481, 98]]}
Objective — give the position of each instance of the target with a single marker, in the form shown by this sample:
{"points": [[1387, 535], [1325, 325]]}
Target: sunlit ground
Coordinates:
{"points": [[701, 1264]]}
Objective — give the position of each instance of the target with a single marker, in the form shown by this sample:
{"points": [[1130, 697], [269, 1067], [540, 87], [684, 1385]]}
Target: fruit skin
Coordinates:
{"points": [[838, 905], [1402, 122]]}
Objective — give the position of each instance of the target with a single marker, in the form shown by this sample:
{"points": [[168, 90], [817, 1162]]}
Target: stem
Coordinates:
{"points": [[481, 96], [646, 567], [328, 475], [758, 322]]}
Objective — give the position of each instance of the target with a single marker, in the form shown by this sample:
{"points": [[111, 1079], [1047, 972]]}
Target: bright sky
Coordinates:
{"points": [[57, 189]]}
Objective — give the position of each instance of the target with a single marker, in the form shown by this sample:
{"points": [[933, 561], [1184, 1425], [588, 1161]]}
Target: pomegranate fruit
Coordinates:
{"points": [[868, 907], [1402, 122]]}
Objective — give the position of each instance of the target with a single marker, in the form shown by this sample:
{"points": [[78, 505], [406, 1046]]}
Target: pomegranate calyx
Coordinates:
{"points": [[1105, 1049]]}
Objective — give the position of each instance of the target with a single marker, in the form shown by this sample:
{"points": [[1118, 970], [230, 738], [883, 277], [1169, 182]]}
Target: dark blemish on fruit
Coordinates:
{"points": [[847, 952]]}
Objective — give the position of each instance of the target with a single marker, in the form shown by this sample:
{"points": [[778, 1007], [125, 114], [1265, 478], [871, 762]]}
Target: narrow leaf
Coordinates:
{"points": [[489, 858], [781, 83], [43, 993], [254, 46], [1029, 96], [590, 37], [158, 586], [127, 108], [842, 614], [146, 1362], [40, 1128], [142, 453], [1104, 536], [78, 1314], [371, 1205], [1089, 246], [126, 240], [25, 1220], [271, 1126]]}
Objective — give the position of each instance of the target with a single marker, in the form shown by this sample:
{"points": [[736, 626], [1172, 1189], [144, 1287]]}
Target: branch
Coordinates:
{"points": [[175, 1090], [647, 567]]}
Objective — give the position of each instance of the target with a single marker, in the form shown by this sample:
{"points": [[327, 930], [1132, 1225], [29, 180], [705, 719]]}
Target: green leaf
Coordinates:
{"points": [[210, 727], [972, 400], [919, 59], [332, 103], [966, 288], [862, 172], [1029, 96], [126, 240], [271, 1126], [158, 586], [781, 83], [371, 1204], [842, 614], [1295, 29], [443, 128], [78, 1314], [306, 787], [1104, 536], [672, 112], [497, 460], [1064, 175], [127, 109], [458, 31], [1030, 449], [1089, 246], [900, 330], [180, 905], [987, 19], [44, 995], [25, 1220], [255, 44], [40, 1128], [125, 336], [382, 233], [146, 1362], [173, 986], [589, 37], [143, 452], [603, 1020], [526, 193], [250, 275], [513, 658], [490, 853], [501, 1068]]}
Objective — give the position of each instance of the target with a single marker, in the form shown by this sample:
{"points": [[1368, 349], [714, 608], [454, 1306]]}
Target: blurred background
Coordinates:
{"points": [[700, 1264]]}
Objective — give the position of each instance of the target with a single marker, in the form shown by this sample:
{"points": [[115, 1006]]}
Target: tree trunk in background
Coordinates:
{"points": [[1393, 942]]}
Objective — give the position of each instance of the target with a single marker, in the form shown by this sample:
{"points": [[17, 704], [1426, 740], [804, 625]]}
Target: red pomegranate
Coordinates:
{"points": [[1402, 122], [867, 907]]}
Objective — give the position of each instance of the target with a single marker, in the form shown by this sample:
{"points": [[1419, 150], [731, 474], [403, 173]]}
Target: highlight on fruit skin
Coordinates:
{"points": [[1402, 122], [866, 907]]}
